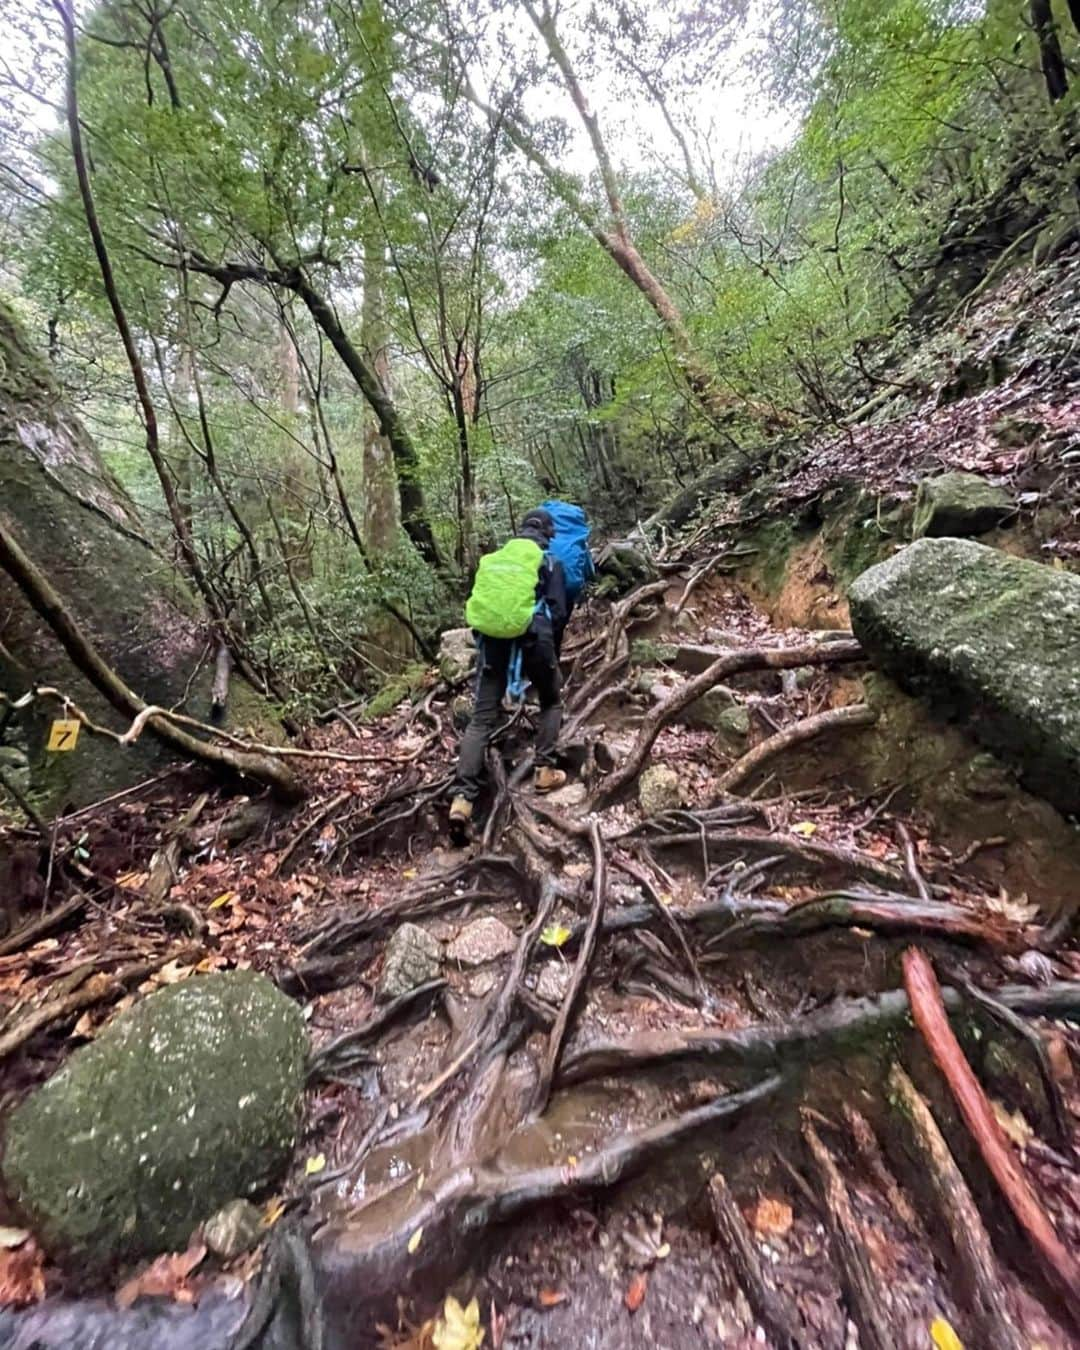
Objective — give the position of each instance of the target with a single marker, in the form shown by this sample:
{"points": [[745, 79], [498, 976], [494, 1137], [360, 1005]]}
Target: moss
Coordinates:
{"points": [[774, 542], [396, 690], [647, 652]]}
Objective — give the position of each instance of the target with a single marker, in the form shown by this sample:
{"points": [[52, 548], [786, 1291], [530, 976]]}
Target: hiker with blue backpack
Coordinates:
{"points": [[520, 603]]}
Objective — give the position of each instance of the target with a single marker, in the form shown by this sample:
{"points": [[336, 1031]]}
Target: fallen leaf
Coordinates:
{"points": [[415, 1240], [943, 1336], [225, 898], [805, 827], [22, 1281], [635, 1293], [409, 874], [1058, 1054], [555, 934], [1013, 1124], [274, 1210], [458, 1328], [771, 1218], [551, 1298], [171, 973], [84, 1026], [12, 1237], [164, 1278], [132, 881], [314, 1164]]}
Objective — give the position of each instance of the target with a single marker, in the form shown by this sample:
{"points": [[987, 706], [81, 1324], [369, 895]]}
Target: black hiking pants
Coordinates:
{"points": [[540, 666]]}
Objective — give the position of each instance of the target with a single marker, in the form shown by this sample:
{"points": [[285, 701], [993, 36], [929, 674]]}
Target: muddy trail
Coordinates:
{"points": [[735, 1040]]}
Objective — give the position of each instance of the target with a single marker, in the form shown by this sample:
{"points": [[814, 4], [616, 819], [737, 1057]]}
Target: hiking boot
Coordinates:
{"points": [[547, 780], [460, 811]]}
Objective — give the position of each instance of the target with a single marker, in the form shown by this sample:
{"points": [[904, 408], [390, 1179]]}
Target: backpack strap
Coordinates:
{"points": [[516, 684]]}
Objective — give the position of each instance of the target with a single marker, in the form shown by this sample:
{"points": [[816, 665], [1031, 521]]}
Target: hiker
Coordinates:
{"points": [[520, 603]]}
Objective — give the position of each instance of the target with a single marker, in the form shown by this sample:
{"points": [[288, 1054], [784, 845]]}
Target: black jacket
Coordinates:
{"points": [[551, 586]]}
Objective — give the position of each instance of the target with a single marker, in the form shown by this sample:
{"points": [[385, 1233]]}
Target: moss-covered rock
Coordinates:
{"points": [[990, 637], [958, 505], [710, 711], [457, 655], [396, 690], [659, 789], [189, 1099]]}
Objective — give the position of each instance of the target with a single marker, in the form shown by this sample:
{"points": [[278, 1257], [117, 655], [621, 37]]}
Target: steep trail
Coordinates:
{"points": [[681, 981]]}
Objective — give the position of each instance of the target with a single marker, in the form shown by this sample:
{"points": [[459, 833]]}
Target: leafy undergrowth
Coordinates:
{"points": [[311, 897]]}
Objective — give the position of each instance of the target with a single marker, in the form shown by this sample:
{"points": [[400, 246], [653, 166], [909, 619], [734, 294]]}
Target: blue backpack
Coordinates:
{"points": [[571, 546]]}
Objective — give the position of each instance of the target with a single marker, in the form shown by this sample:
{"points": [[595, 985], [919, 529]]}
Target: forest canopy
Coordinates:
{"points": [[392, 273]]}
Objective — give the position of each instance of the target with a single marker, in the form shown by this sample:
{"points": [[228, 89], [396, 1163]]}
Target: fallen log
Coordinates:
{"points": [[958, 1214], [864, 1294], [844, 1025], [928, 1008], [774, 1309]]}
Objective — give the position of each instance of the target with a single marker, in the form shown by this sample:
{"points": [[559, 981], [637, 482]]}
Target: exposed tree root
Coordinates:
{"points": [[869, 1150], [57, 917], [809, 852], [857, 715], [864, 1293], [845, 1024], [342, 1053], [778, 1314], [1060, 1268], [957, 1213]]}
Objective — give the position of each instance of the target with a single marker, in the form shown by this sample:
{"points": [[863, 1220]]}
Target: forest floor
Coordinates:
{"points": [[710, 985]]}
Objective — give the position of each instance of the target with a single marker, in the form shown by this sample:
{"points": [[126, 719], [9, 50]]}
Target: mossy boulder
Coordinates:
{"points": [[958, 505], [660, 789], [457, 655], [991, 638], [711, 710], [188, 1100]]}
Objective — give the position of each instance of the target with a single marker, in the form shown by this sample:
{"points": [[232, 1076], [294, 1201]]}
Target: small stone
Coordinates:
{"points": [[805, 676], [483, 940], [734, 723], [233, 1230], [482, 984], [659, 790], [413, 956], [552, 982], [708, 711], [457, 655], [573, 794]]}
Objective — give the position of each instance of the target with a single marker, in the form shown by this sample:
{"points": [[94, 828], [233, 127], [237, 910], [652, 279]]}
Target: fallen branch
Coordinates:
{"points": [[846, 1024], [857, 715], [776, 1312], [928, 1009], [100, 987], [29, 933], [577, 979], [864, 1294], [730, 663], [957, 1212], [51, 607]]}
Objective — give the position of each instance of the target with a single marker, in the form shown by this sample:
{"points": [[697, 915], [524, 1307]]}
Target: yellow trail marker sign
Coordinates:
{"points": [[63, 734]]}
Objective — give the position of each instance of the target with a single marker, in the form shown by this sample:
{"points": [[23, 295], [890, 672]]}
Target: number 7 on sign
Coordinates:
{"points": [[63, 734]]}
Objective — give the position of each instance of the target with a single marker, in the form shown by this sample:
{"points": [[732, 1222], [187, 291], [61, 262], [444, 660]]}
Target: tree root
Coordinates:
{"points": [[29, 933], [728, 664], [857, 715], [957, 1212], [844, 1025], [863, 1292], [806, 851], [777, 1313], [341, 1054], [1060, 1268]]}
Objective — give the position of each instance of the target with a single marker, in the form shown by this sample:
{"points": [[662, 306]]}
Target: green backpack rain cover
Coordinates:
{"points": [[503, 599]]}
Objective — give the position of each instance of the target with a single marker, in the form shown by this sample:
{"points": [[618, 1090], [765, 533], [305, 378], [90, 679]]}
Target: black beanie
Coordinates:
{"points": [[540, 520]]}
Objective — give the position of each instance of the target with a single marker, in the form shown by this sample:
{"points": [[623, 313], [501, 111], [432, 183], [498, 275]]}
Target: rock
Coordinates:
{"points": [[552, 982], [413, 956], [708, 711], [805, 676], [461, 707], [991, 637], [457, 655], [233, 1230], [958, 505], [659, 790], [734, 723], [483, 940], [646, 652], [571, 794], [184, 1100], [482, 984]]}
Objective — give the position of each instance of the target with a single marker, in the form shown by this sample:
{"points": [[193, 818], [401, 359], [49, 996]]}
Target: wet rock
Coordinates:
{"points": [[233, 1230], [659, 789], [185, 1099], [457, 655], [571, 794], [483, 940], [958, 505], [993, 638], [552, 982], [413, 956]]}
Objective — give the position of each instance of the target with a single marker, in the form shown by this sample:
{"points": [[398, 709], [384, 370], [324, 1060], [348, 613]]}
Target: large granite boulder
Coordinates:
{"points": [[187, 1100], [959, 504], [991, 637]]}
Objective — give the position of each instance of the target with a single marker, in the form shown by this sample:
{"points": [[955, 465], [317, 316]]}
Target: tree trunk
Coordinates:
{"points": [[381, 515], [1051, 57], [78, 526]]}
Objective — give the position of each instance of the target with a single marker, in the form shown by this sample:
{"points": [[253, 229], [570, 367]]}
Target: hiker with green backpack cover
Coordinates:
{"points": [[518, 607]]}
